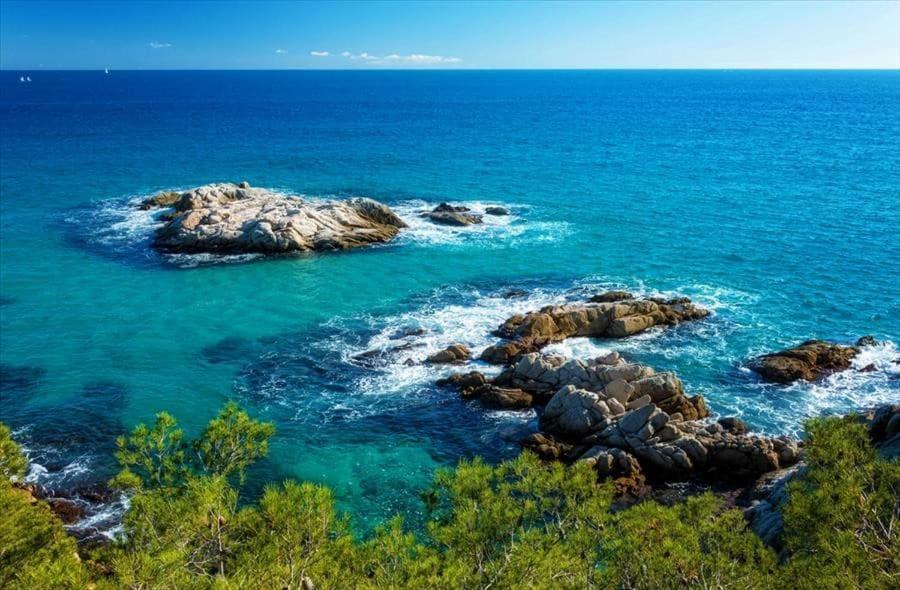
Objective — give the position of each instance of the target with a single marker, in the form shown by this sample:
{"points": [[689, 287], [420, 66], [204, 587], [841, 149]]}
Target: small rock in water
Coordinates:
{"points": [[499, 211], [455, 353], [446, 214], [867, 341], [808, 361]]}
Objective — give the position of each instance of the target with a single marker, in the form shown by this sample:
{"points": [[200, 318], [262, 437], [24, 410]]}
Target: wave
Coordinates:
{"points": [[495, 231]]}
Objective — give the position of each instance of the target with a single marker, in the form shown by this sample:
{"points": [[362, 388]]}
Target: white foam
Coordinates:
{"points": [[494, 231]]}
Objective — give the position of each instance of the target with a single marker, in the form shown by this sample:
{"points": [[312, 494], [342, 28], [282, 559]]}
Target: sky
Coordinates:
{"points": [[378, 35]]}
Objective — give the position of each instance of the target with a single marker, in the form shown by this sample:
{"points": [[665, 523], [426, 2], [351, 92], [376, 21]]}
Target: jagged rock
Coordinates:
{"points": [[573, 413], [667, 393], [67, 510], [607, 319], [611, 462], [466, 382], [611, 296], [769, 495], [668, 449], [734, 425], [546, 447], [884, 429], [225, 218], [163, 199], [808, 361], [866, 341], [446, 214], [514, 293], [455, 353], [496, 211], [503, 397]]}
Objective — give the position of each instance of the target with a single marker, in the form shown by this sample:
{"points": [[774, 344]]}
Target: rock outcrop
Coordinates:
{"points": [[809, 361], [230, 218], [446, 214], [612, 315], [628, 420], [455, 353]]}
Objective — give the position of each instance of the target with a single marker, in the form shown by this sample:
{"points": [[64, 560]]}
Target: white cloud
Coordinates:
{"points": [[157, 45], [395, 59], [363, 56], [319, 53], [281, 51], [421, 59]]}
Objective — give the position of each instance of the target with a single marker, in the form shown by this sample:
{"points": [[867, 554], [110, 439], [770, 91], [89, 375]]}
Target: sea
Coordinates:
{"points": [[770, 197]]}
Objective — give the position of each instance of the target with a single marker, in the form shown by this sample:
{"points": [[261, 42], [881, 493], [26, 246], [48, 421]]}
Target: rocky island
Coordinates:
{"points": [[615, 314], [237, 219]]}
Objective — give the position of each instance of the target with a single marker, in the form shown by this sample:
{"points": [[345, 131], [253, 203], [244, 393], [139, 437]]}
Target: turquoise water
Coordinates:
{"points": [[771, 197]]}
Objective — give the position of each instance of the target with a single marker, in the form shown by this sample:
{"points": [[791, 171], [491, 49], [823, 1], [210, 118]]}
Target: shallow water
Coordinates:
{"points": [[770, 197]]}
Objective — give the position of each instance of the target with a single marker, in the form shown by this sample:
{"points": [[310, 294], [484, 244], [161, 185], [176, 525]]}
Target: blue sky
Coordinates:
{"points": [[372, 35]]}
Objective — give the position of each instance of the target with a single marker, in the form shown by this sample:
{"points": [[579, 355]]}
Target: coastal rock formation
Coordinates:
{"points": [[884, 429], [455, 353], [498, 211], [627, 419], [809, 361], [446, 214], [229, 218], [615, 383], [163, 199], [611, 315]]}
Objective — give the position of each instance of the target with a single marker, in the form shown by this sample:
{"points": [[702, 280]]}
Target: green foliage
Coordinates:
{"points": [[520, 524], [12, 461], [231, 442], [842, 520], [35, 551], [691, 544], [153, 457], [160, 457]]}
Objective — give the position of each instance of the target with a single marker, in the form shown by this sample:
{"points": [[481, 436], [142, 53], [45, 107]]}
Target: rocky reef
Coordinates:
{"points": [[629, 421], [609, 315], [808, 361], [235, 218]]}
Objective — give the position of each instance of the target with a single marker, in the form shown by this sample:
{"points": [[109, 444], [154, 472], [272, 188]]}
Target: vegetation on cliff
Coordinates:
{"points": [[520, 524]]}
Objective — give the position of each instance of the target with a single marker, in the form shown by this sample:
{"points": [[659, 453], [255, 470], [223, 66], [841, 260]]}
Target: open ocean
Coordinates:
{"points": [[771, 197]]}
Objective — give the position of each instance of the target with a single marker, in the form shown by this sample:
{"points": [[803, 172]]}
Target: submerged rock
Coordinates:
{"points": [[615, 315], [227, 218], [809, 361]]}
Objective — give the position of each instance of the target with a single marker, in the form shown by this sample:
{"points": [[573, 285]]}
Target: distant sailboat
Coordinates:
{"points": [[28, 78], [21, 78], [106, 71]]}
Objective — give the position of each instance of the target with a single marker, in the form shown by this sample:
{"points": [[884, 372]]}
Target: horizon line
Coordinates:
{"points": [[472, 69]]}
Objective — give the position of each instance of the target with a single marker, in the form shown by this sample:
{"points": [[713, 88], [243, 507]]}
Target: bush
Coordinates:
{"points": [[520, 524]]}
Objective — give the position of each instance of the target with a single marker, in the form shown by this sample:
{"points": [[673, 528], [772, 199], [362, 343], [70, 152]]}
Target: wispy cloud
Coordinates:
{"points": [[363, 56], [319, 53], [413, 59], [422, 59], [158, 45], [281, 51]]}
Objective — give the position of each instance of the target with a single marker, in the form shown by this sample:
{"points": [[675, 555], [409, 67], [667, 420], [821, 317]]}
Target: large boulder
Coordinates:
{"points": [[573, 414], [809, 361], [230, 218]]}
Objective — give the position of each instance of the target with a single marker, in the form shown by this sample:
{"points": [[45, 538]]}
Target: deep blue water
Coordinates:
{"points": [[771, 197]]}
